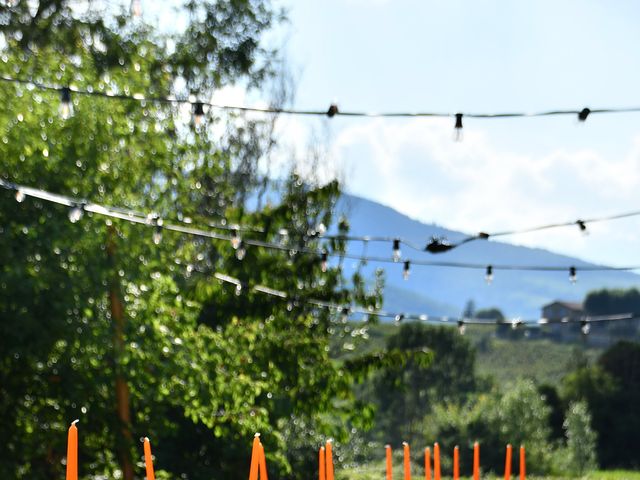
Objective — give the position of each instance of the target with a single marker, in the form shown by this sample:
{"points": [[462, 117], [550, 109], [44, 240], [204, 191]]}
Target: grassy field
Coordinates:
{"points": [[505, 360], [376, 472]]}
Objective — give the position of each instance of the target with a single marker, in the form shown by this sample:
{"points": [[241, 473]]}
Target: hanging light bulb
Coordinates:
{"points": [[515, 323], [333, 110], [235, 239], [238, 289], [345, 314], [488, 277], [461, 327], [323, 261], [406, 270], [458, 127], [76, 212], [396, 250], [582, 225], [198, 113], [399, 317], [585, 327], [136, 8], [573, 275], [283, 235], [157, 231], [241, 251], [66, 104], [20, 196], [583, 114]]}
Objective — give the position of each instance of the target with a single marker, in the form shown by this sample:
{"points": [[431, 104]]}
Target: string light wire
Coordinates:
{"points": [[332, 111], [149, 220], [350, 310]]}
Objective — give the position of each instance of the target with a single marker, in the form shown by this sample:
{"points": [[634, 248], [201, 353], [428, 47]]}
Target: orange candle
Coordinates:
{"points": [[523, 464], [262, 463], [436, 461], [72, 452], [507, 464], [427, 464], [407, 461], [148, 460], [456, 463], [329, 460], [321, 465], [476, 461], [255, 452], [389, 462]]}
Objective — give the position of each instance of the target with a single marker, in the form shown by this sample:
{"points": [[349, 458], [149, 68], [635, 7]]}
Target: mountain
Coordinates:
{"points": [[445, 291]]}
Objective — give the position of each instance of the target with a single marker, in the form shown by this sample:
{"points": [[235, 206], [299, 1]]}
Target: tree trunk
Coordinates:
{"points": [[124, 438]]}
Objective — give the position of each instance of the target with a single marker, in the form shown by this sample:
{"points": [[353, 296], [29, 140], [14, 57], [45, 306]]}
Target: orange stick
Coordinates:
{"points": [[476, 461], [321, 465], [253, 470], [523, 464], [507, 464], [329, 460], [456, 463], [148, 460], [407, 461], [262, 463], [427, 464], [72, 452], [436, 461], [387, 449]]}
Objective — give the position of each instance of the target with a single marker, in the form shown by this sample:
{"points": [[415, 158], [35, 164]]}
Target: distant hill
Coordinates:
{"points": [[444, 291]]}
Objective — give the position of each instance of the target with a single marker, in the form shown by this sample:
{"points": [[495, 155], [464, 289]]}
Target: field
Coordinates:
{"points": [[376, 472]]}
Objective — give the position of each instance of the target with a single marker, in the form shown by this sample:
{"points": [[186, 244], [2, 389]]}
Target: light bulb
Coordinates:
{"points": [[461, 327], [66, 105], [241, 251], [198, 113], [136, 8], [399, 317], [235, 240], [345, 314], [157, 232], [585, 328], [75, 214], [406, 271], [333, 110], [573, 276], [238, 289], [458, 128], [583, 227], [20, 196], [488, 277], [583, 114], [323, 262], [396, 250]]}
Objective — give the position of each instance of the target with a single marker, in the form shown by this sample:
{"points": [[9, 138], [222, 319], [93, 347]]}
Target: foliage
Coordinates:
{"points": [[404, 397], [611, 390], [490, 313], [88, 305], [581, 439], [519, 417]]}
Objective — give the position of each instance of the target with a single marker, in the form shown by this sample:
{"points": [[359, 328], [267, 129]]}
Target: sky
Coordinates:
{"points": [[473, 56], [478, 56]]}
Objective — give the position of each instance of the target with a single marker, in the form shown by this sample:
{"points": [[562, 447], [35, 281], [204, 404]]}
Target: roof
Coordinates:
{"points": [[576, 307]]}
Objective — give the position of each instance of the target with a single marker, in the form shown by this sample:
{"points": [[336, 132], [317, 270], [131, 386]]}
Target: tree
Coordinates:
{"points": [[137, 338], [404, 397], [581, 439], [518, 416], [611, 392]]}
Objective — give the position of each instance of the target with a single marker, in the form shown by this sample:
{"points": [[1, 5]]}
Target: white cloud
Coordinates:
{"points": [[472, 185]]}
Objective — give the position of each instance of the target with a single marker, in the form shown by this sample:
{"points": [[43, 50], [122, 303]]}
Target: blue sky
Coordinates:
{"points": [[479, 56]]}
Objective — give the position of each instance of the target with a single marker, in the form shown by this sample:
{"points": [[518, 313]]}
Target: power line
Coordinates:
{"points": [[332, 111], [153, 220]]}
